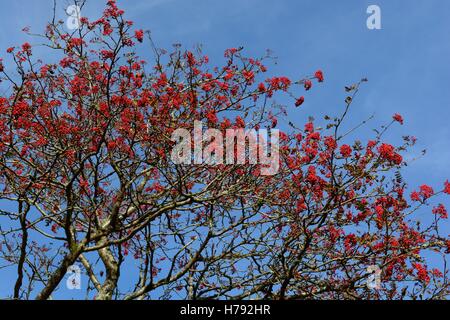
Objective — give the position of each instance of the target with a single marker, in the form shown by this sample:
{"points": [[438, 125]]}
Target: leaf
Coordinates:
{"points": [[350, 88]]}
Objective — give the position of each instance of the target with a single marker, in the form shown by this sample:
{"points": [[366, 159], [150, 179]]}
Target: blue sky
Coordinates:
{"points": [[407, 61]]}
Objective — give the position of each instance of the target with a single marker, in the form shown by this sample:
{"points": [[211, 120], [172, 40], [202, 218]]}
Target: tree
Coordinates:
{"points": [[87, 177]]}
